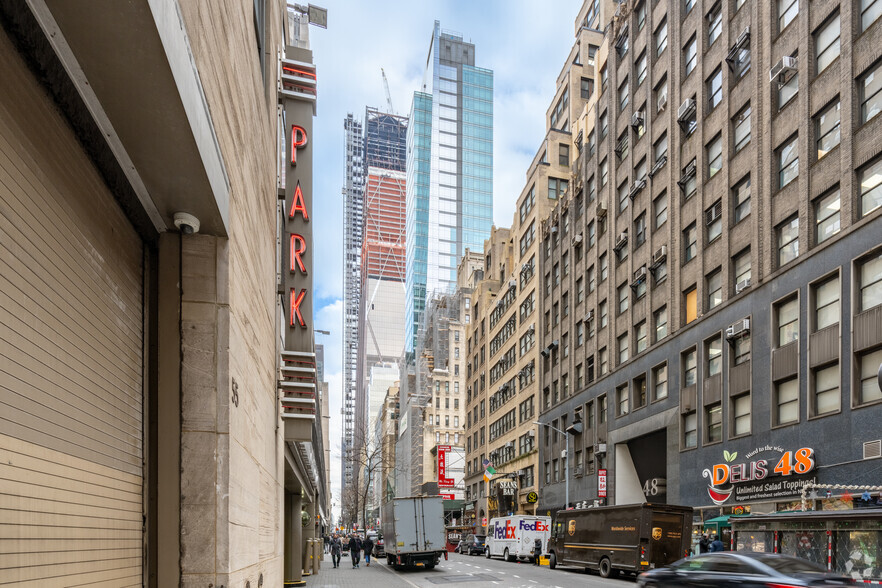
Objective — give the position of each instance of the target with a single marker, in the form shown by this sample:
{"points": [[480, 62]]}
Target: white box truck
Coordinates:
{"points": [[513, 537], [414, 532]]}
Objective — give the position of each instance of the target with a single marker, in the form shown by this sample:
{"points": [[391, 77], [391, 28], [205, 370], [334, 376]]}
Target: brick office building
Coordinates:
{"points": [[732, 179]]}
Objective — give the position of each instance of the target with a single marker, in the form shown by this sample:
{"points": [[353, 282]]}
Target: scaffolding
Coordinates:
{"points": [[432, 356], [385, 140]]}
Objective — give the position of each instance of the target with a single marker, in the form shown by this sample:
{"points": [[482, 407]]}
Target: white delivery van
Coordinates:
{"points": [[513, 537]]}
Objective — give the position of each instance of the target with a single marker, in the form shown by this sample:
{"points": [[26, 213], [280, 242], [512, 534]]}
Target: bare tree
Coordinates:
{"points": [[368, 463]]}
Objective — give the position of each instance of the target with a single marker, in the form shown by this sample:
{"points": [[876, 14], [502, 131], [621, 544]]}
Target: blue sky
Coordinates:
{"points": [[525, 43]]}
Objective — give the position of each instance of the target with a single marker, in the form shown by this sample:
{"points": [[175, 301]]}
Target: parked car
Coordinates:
{"points": [[379, 545], [474, 544], [742, 568]]}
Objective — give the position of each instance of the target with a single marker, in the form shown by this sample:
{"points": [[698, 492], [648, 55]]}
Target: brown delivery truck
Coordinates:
{"points": [[630, 538]]}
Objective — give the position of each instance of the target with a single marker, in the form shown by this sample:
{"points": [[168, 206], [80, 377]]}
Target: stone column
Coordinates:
{"points": [[293, 539], [308, 532]]}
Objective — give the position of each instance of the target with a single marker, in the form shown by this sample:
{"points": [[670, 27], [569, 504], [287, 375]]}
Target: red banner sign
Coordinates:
{"points": [[443, 480], [448, 496], [601, 483]]}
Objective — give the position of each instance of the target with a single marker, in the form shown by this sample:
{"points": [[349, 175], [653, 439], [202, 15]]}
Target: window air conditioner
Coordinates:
{"points": [[686, 109], [635, 189], [740, 328], [577, 239], [783, 70], [512, 283], [660, 163], [742, 286], [589, 315], [601, 209], [659, 256], [637, 119], [639, 275], [621, 241], [713, 213]]}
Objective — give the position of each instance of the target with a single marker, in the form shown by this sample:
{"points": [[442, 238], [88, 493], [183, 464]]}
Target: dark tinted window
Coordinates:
{"points": [[790, 565]]}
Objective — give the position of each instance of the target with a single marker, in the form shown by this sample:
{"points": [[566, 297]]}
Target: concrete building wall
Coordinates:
{"points": [[232, 510]]}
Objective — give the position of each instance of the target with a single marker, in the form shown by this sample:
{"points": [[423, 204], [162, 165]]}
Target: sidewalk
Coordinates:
{"points": [[378, 575]]}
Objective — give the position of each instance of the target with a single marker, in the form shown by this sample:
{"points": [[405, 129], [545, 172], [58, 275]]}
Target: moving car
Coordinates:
{"points": [[474, 544], [631, 538], [742, 568]]}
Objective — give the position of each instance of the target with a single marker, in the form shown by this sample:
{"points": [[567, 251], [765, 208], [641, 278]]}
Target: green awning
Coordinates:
{"points": [[717, 522]]}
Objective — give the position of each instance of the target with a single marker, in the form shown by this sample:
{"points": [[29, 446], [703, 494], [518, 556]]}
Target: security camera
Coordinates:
{"points": [[186, 223]]}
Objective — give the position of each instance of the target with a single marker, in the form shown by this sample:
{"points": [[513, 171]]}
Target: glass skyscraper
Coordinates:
{"points": [[449, 171]]}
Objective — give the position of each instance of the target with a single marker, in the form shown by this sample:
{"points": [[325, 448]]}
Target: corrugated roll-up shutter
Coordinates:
{"points": [[71, 347]]}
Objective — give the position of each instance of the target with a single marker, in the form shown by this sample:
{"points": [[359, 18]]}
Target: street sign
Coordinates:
{"points": [[601, 483], [484, 522]]}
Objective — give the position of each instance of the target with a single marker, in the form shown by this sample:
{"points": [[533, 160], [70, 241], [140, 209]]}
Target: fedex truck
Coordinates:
{"points": [[513, 537]]}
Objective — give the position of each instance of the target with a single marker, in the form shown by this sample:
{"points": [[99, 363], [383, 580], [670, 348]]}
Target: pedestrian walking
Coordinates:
{"points": [[716, 545], [703, 544], [355, 549], [368, 549], [336, 550], [537, 551], [327, 541]]}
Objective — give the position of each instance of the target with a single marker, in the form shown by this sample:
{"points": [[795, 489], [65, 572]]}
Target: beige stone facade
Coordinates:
{"points": [[504, 342], [167, 446]]}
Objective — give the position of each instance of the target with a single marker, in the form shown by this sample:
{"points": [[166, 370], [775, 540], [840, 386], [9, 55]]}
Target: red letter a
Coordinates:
{"points": [[298, 204]]}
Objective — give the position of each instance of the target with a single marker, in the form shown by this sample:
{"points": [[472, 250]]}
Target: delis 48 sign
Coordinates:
{"points": [[759, 477]]}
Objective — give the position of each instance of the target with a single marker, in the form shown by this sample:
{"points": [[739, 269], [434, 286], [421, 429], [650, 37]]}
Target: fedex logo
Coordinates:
{"points": [[509, 531], [534, 526], [506, 532]]}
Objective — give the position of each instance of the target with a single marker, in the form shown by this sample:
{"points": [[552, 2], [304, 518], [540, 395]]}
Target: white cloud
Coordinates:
{"points": [[525, 44]]}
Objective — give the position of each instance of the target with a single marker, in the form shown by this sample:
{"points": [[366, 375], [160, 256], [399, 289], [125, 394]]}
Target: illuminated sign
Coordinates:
{"points": [[758, 479], [297, 239], [601, 483]]}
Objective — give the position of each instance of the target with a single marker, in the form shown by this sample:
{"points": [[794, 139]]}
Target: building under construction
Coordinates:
{"points": [[433, 392], [374, 272], [353, 235]]}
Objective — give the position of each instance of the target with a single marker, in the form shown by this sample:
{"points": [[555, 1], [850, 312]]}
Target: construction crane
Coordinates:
{"points": [[388, 95]]}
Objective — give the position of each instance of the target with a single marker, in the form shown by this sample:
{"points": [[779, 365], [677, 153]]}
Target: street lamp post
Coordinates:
{"points": [[567, 466]]}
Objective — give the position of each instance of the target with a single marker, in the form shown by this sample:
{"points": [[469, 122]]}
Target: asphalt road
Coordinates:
{"points": [[469, 571]]}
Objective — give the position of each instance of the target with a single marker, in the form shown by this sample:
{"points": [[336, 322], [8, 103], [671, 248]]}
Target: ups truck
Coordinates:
{"points": [[631, 538], [413, 531]]}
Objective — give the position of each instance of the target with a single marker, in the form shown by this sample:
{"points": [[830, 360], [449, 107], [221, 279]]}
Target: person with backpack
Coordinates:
{"points": [[368, 549], [355, 549]]}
